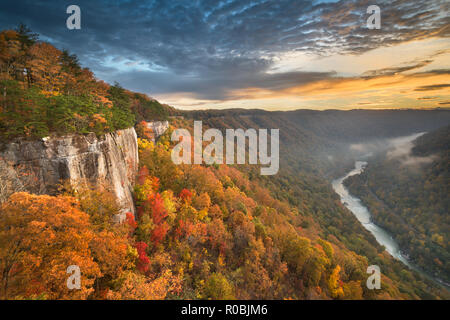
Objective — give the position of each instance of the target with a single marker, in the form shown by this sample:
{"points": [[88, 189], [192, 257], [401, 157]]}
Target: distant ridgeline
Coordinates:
{"points": [[317, 142], [44, 90]]}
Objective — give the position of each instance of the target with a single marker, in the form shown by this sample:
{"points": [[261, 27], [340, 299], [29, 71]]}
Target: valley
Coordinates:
{"points": [[406, 188], [365, 218]]}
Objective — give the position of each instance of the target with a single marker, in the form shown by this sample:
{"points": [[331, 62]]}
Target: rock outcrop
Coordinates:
{"points": [[40, 166], [158, 128]]}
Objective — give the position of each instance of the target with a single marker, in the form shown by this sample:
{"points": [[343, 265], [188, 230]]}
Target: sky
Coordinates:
{"points": [[273, 55]]}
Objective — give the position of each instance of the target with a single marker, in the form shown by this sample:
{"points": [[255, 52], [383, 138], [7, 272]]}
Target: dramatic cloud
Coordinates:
{"points": [[222, 50], [433, 87], [426, 98], [395, 70]]}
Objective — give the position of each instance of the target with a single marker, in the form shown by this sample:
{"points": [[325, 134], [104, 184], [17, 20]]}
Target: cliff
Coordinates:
{"points": [[158, 128], [40, 166]]}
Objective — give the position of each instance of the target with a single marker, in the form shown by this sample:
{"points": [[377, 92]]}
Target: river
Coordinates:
{"points": [[364, 217]]}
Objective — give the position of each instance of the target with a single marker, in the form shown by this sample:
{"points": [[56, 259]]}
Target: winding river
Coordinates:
{"points": [[364, 217]]}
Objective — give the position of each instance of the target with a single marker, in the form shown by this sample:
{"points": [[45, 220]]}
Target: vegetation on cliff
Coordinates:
{"points": [[44, 90]]}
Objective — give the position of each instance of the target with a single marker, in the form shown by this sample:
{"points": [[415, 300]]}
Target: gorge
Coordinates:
{"points": [[363, 215]]}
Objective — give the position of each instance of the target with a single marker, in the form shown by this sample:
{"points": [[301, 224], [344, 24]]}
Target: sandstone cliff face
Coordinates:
{"points": [[158, 128], [39, 166]]}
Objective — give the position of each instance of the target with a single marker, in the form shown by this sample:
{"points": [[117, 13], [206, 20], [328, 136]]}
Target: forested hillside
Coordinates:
{"points": [[318, 144], [308, 162], [200, 232], [408, 195], [45, 90]]}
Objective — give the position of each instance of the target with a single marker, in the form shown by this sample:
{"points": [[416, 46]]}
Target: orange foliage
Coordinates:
{"points": [[144, 131], [99, 118], [45, 71], [40, 237], [159, 233]]}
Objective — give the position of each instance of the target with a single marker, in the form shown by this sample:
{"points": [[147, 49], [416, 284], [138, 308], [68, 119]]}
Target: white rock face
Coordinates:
{"points": [[43, 164], [158, 128]]}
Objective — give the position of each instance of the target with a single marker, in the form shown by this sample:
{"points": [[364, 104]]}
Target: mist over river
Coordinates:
{"points": [[363, 215]]}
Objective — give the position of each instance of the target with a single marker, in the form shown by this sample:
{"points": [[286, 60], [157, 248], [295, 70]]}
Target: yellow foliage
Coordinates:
{"points": [[133, 286], [334, 284]]}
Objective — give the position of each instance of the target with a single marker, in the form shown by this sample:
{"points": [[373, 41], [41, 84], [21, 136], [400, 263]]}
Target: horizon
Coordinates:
{"points": [[324, 110], [314, 55]]}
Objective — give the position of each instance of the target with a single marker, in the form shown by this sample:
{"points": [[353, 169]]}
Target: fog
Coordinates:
{"points": [[399, 149], [402, 150]]}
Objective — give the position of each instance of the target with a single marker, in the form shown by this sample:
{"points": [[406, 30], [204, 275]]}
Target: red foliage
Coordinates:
{"points": [[159, 233], [186, 195], [131, 222], [179, 229], [155, 183], [143, 260], [158, 210], [185, 228]]}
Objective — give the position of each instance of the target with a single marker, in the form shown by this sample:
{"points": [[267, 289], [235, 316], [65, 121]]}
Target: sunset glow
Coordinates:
{"points": [[279, 55]]}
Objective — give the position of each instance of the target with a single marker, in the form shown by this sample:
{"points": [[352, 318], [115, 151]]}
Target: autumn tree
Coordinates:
{"points": [[143, 130], [218, 288], [143, 259], [335, 284], [10, 55], [47, 73], [40, 237], [133, 286]]}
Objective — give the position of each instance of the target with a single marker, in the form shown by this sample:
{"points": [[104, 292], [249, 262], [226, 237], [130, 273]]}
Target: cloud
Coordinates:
{"points": [[426, 98], [383, 85], [433, 87], [212, 49], [395, 70]]}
